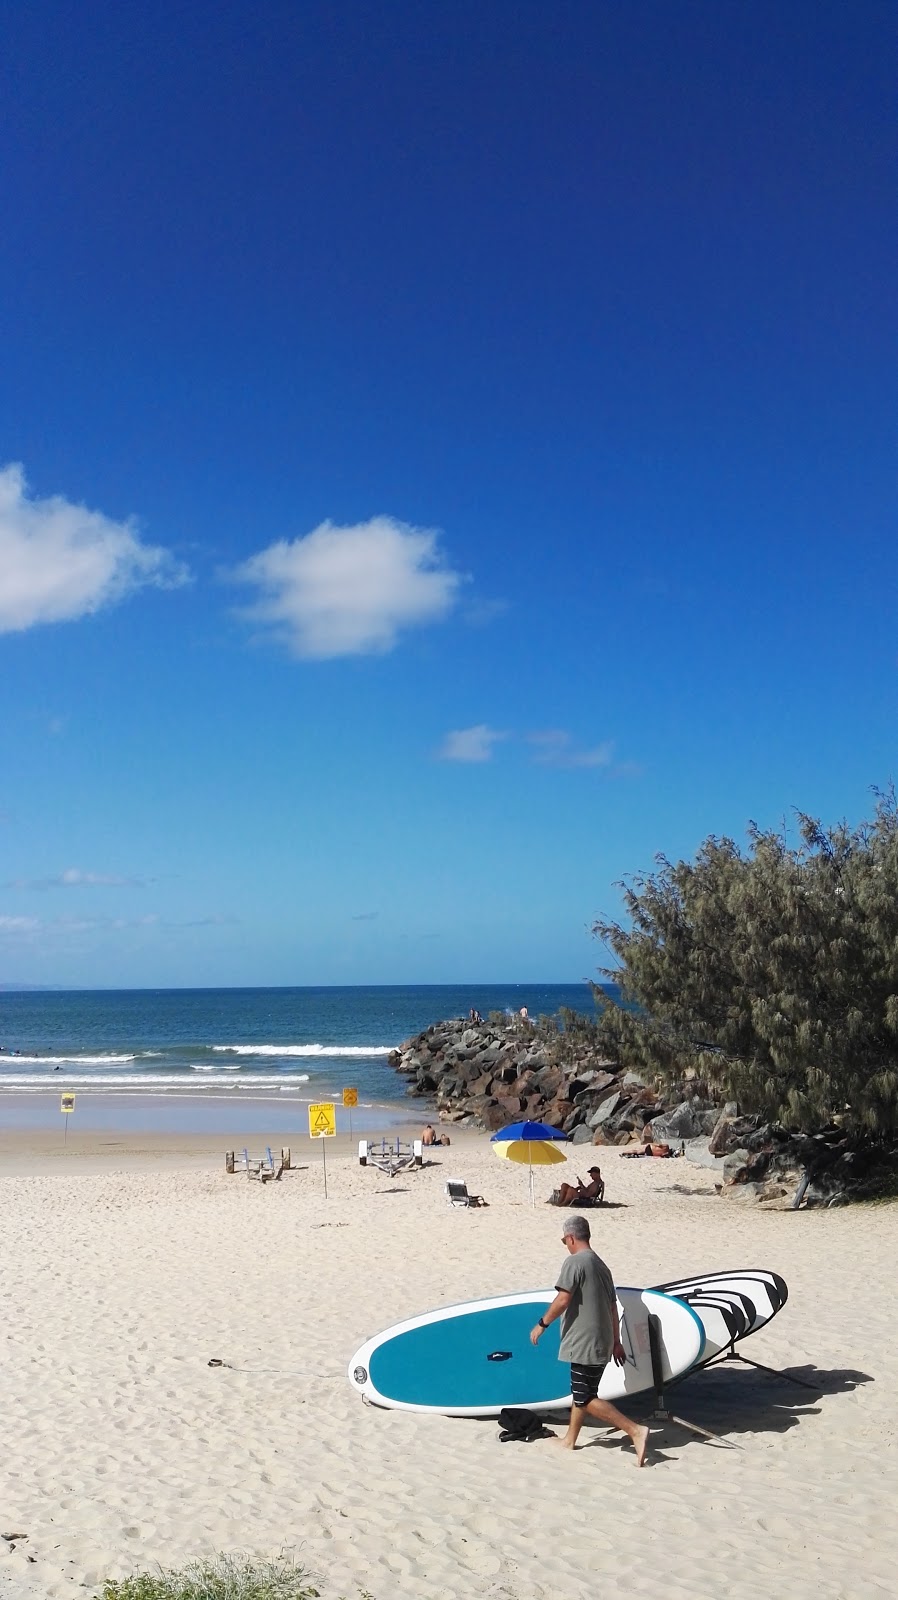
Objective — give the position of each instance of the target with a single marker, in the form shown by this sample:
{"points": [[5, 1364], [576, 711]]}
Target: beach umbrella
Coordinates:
{"points": [[527, 1130], [530, 1152], [533, 1144]]}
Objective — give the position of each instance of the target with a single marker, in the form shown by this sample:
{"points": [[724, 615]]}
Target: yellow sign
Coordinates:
{"points": [[323, 1120], [67, 1103], [350, 1097]]}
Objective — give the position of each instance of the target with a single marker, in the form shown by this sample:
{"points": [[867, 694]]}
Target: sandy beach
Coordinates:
{"points": [[128, 1263]]}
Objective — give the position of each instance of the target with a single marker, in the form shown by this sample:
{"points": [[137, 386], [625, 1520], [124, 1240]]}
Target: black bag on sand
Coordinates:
{"points": [[515, 1422]]}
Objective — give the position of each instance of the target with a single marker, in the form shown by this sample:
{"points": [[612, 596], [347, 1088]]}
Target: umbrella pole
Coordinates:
{"points": [[532, 1201]]}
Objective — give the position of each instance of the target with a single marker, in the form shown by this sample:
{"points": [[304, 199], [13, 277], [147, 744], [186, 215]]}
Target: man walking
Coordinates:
{"points": [[590, 1335]]}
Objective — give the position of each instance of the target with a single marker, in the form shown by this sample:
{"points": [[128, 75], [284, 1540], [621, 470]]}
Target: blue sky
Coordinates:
{"points": [[448, 456]]}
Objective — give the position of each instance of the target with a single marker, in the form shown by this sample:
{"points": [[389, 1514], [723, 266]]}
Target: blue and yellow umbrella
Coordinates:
{"points": [[532, 1144]]}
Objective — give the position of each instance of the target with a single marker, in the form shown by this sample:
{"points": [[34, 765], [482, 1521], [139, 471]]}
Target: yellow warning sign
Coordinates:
{"points": [[350, 1097], [67, 1103], [323, 1120]]}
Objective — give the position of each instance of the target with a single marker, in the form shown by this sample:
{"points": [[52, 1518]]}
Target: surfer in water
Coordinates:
{"points": [[590, 1335]]}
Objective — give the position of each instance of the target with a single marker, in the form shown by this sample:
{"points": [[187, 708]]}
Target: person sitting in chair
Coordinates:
{"points": [[580, 1193]]}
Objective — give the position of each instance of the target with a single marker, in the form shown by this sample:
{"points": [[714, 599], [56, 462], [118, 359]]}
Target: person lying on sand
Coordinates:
{"points": [[580, 1193], [662, 1151]]}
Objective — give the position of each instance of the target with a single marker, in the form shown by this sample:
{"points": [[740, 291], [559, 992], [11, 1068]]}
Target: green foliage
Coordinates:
{"points": [[570, 1037], [226, 1577], [770, 973]]}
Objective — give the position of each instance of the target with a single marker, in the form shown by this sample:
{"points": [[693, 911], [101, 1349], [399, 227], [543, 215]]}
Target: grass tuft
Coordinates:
{"points": [[225, 1577]]}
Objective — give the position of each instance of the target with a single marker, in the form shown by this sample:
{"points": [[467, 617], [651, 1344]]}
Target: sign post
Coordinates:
{"points": [[323, 1125], [66, 1106], [350, 1099]]}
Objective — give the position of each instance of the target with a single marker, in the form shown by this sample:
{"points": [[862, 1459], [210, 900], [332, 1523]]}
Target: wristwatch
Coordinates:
{"points": [[540, 1323]]}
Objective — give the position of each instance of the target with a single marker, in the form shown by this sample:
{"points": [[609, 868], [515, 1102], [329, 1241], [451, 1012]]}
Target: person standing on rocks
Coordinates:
{"points": [[590, 1335]]}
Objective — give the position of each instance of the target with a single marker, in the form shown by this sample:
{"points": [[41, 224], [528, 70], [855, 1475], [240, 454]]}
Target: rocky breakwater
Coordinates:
{"points": [[490, 1074], [509, 1068]]}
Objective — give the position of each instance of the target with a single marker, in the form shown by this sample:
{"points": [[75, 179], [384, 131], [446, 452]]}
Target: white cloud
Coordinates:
{"points": [[59, 561], [19, 925], [470, 744], [31, 929], [75, 878], [350, 591], [556, 748]]}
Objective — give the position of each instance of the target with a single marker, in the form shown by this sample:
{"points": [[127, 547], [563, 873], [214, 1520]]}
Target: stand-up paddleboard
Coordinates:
{"points": [[772, 1285], [757, 1293], [766, 1291], [471, 1360], [725, 1318]]}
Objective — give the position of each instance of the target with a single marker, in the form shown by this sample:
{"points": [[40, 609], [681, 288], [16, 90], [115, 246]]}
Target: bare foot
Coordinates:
{"points": [[641, 1444], [564, 1442]]}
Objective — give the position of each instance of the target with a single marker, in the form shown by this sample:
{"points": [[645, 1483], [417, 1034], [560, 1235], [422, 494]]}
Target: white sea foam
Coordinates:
{"points": [[304, 1049], [41, 1083], [110, 1060]]}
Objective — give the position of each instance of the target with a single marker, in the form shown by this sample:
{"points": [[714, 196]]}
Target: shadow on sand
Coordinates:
{"points": [[739, 1400], [727, 1401]]}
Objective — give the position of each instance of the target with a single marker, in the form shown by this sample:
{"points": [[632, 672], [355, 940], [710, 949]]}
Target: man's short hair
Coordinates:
{"points": [[575, 1228]]}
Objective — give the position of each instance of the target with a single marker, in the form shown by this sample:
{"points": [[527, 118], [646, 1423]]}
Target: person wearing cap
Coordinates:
{"points": [[590, 1335], [580, 1193]]}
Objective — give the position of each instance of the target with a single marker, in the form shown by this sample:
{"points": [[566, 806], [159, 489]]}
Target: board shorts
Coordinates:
{"points": [[585, 1382]]}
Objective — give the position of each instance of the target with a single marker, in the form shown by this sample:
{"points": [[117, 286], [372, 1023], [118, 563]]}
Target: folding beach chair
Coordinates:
{"points": [[457, 1194]]}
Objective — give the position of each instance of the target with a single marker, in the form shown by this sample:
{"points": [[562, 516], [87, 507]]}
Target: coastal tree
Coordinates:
{"points": [[770, 973]]}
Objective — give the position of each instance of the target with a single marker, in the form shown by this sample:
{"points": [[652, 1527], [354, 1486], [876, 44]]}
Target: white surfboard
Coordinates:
{"points": [[756, 1292], [724, 1317], [765, 1291], [471, 1360]]}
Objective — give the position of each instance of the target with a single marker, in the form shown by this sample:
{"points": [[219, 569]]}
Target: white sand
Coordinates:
{"points": [[121, 1447]]}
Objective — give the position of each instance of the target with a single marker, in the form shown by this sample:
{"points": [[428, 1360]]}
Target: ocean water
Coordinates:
{"points": [[309, 1043]]}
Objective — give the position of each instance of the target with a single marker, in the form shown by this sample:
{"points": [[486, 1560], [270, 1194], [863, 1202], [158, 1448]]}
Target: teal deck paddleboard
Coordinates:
{"points": [[473, 1359]]}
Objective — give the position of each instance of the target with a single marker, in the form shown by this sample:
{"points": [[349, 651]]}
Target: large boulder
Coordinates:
{"points": [[549, 1081], [487, 1112], [683, 1122], [607, 1109], [556, 1113], [735, 1167], [505, 1069], [730, 1132], [481, 1085], [511, 1104], [581, 1135]]}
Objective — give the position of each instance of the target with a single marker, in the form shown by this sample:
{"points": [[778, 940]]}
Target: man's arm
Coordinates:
{"points": [[559, 1304]]}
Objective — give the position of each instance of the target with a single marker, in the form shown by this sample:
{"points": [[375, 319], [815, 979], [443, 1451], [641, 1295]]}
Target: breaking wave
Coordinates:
{"points": [[303, 1049], [149, 1080], [111, 1060]]}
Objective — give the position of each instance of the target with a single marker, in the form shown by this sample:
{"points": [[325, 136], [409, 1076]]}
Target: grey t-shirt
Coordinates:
{"points": [[587, 1326]]}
